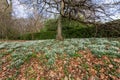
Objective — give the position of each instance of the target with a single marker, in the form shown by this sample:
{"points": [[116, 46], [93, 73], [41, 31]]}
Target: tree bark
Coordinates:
{"points": [[59, 30]]}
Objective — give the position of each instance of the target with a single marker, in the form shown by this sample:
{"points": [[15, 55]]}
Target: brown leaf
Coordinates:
{"points": [[102, 76], [102, 70], [113, 77], [23, 78], [66, 78], [38, 77], [92, 78], [118, 70], [52, 74], [110, 66], [78, 78], [93, 71], [4, 68], [116, 60]]}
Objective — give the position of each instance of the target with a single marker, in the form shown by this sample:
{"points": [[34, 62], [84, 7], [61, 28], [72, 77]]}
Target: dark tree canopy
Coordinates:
{"points": [[82, 10]]}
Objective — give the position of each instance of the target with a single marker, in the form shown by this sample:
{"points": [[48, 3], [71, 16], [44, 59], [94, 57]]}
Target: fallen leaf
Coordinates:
{"points": [[102, 70], [52, 74], [102, 76], [92, 78], [118, 70], [116, 60], [66, 78], [93, 71], [110, 66]]}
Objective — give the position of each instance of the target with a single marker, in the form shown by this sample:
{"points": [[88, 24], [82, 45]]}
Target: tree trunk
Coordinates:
{"points": [[59, 30]]}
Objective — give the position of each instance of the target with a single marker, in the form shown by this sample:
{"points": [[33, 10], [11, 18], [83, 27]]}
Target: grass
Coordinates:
{"points": [[69, 59]]}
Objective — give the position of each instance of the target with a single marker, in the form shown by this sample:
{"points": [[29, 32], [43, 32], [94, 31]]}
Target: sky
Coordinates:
{"points": [[115, 15], [22, 11]]}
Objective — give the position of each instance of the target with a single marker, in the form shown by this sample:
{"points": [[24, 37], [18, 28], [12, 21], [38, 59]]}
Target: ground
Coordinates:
{"points": [[71, 59]]}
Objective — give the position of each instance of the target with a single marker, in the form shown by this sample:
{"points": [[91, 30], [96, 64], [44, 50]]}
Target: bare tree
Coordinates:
{"points": [[84, 11], [5, 19], [28, 25]]}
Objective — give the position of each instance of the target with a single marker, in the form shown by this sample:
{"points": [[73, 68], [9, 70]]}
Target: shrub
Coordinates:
{"points": [[40, 35], [72, 29]]}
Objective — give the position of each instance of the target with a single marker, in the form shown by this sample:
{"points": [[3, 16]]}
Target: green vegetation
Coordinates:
{"points": [[90, 56], [23, 51], [87, 52], [40, 35], [73, 29]]}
